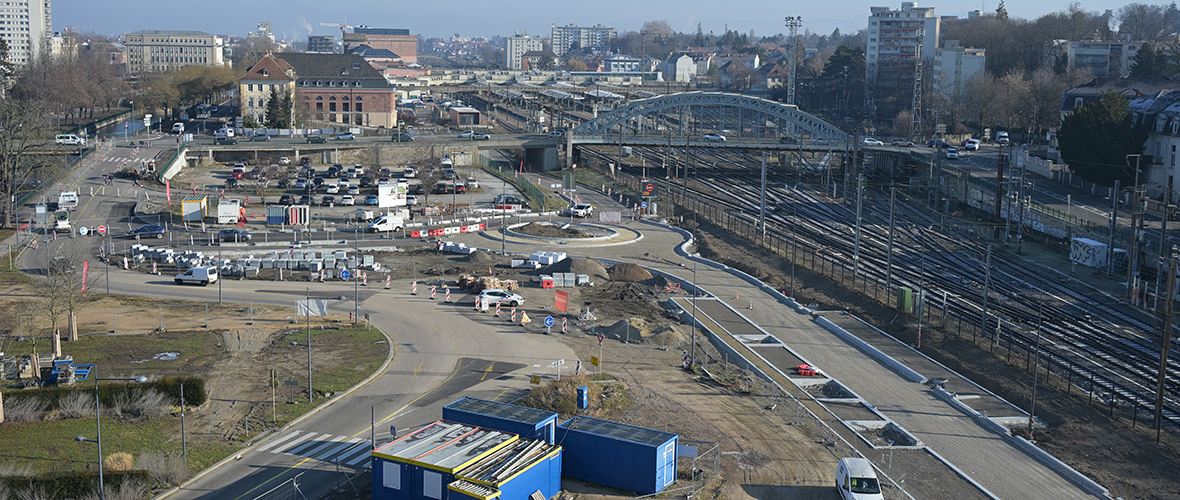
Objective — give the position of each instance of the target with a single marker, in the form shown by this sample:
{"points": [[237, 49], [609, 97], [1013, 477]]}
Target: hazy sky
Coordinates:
{"points": [[295, 19]]}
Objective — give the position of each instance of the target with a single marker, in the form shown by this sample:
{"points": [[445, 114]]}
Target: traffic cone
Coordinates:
{"points": [[364, 279]]}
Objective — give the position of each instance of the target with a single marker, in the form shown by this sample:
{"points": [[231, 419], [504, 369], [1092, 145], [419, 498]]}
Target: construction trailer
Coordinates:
{"points": [[454, 460], [528, 423], [618, 455]]}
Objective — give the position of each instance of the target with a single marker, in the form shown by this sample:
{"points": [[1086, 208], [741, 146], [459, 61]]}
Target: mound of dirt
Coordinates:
{"points": [[577, 265], [626, 271], [628, 330], [549, 231], [479, 257], [659, 281]]}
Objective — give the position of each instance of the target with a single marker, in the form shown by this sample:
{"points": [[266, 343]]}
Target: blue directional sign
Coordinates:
{"points": [[345, 274], [548, 321], [643, 205]]}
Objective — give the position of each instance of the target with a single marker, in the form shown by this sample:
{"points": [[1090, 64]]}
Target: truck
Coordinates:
{"points": [[61, 221], [229, 211], [67, 200], [363, 215], [387, 223]]}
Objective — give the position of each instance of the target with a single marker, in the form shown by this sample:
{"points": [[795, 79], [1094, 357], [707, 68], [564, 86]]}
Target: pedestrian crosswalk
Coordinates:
{"points": [[325, 447], [121, 159]]}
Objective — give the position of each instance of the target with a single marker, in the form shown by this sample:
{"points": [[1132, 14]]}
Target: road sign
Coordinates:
{"points": [[643, 205], [600, 341], [594, 360], [649, 189], [345, 274], [82, 230], [102, 230], [548, 321], [535, 380]]}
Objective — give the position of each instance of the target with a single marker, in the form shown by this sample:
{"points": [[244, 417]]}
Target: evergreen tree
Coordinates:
{"points": [[699, 40], [1001, 11], [1150, 62], [270, 120], [1096, 139]]}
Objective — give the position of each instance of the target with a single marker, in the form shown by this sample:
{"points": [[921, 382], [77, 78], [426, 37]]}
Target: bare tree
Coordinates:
{"points": [[979, 99], [24, 132], [1143, 22]]}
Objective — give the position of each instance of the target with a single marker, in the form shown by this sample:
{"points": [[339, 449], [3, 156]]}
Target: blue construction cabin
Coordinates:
{"points": [[617, 455], [528, 423]]}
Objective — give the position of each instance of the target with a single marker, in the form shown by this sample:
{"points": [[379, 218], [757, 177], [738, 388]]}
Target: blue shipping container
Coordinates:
{"points": [[617, 455], [528, 423]]}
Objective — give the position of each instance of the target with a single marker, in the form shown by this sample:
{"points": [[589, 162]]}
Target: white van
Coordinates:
{"points": [[200, 275], [178, 128], [387, 223], [69, 140], [856, 480], [225, 132]]}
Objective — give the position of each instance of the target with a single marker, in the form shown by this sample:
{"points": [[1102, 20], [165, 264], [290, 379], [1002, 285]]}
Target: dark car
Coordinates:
{"points": [[385, 172], [316, 139], [402, 137], [286, 200], [307, 199], [233, 234], [328, 201], [333, 171], [366, 181], [225, 141], [937, 143], [442, 188], [149, 230], [231, 183], [318, 181]]}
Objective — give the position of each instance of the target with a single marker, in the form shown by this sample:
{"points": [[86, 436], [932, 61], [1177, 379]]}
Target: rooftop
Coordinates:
{"points": [[445, 445], [619, 431]]}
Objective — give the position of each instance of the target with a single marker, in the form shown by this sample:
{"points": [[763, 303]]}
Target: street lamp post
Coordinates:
{"points": [[98, 423]]}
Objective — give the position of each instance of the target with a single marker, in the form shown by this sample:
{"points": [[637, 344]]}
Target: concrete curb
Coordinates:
{"points": [[237, 456], [903, 370], [961, 474], [987, 423]]}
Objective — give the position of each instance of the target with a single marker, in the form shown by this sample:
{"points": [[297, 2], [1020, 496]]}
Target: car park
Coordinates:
{"points": [[316, 139], [903, 143], [328, 201], [493, 296], [344, 137], [233, 234], [347, 201], [713, 137], [869, 141], [201, 275], [148, 231], [952, 153], [287, 200]]}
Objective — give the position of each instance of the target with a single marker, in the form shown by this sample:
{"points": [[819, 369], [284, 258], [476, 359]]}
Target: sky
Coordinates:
{"points": [[295, 19]]}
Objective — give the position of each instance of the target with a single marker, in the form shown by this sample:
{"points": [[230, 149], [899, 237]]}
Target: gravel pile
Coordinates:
{"points": [[626, 271]]}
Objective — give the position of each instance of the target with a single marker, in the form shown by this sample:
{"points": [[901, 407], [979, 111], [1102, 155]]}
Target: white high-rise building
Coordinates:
{"points": [[891, 52], [516, 46], [25, 26], [593, 37], [955, 65]]}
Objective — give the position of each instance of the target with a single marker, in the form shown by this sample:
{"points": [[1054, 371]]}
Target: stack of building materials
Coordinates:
{"points": [[547, 258]]}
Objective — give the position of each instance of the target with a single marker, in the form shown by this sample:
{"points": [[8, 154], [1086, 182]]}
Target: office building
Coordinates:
{"points": [[396, 40], [592, 37], [955, 65], [892, 52], [321, 44], [25, 26], [516, 46], [151, 51]]}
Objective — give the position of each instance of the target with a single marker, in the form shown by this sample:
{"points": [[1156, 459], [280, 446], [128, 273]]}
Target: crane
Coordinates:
{"points": [[336, 25]]}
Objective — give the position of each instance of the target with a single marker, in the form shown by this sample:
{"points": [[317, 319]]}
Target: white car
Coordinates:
{"points": [[497, 296], [410, 173], [411, 199], [557, 134], [354, 189], [582, 210], [472, 183], [869, 141], [347, 201], [473, 135], [952, 153], [333, 188], [714, 138]]}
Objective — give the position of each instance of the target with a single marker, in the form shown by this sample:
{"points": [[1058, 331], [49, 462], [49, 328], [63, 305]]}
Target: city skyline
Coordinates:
{"points": [[295, 19]]}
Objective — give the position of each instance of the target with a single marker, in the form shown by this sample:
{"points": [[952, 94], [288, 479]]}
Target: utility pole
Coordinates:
{"points": [[860, 181], [1163, 246], [999, 190], [1165, 347], [1114, 218], [889, 253], [762, 213], [1032, 411], [987, 285], [916, 115], [1136, 221]]}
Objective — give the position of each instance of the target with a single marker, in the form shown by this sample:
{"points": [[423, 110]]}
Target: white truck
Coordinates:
{"points": [[387, 223], [229, 211], [67, 200], [363, 215]]}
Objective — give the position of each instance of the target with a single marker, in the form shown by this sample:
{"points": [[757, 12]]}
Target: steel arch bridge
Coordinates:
{"points": [[624, 116]]}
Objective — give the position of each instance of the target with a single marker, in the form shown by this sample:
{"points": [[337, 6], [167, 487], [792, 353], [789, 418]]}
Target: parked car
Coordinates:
{"points": [[233, 234], [904, 143], [402, 137], [371, 200], [869, 141], [231, 183], [354, 189], [495, 296], [328, 201], [442, 188], [952, 153], [460, 188], [300, 183], [347, 200], [366, 180], [260, 136], [344, 137], [408, 173], [148, 231], [472, 183], [333, 188], [307, 199], [316, 139], [856, 480], [411, 199], [287, 200], [284, 161], [713, 137], [448, 174]]}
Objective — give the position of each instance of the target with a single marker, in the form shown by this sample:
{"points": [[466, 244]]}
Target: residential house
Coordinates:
{"points": [[267, 78]]}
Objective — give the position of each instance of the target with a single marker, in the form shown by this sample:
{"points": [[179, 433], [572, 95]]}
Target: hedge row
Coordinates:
{"points": [[194, 391], [74, 484]]}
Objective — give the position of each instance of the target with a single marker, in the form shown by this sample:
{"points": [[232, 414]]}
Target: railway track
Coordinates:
{"points": [[1097, 342]]}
